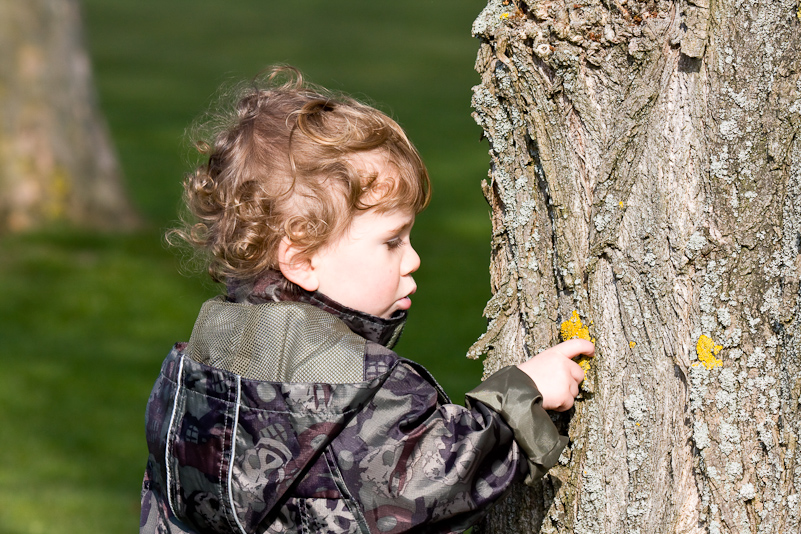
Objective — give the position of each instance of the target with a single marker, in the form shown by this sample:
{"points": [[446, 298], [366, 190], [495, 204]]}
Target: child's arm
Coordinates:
{"points": [[556, 375], [521, 394], [441, 463]]}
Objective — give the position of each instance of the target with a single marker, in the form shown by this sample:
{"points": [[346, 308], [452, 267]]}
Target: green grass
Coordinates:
{"points": [[86, 318], [81, 319]]}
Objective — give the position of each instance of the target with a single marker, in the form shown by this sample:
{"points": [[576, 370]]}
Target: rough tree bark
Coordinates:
{"points": [[56, 158], [646, 174]]}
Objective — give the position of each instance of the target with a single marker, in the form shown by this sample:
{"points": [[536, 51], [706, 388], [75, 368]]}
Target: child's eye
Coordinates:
{"points": [[395, 243]]}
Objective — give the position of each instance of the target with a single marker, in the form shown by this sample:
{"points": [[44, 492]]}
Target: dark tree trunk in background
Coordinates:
{"points": [[56, 158], [646, 174]]}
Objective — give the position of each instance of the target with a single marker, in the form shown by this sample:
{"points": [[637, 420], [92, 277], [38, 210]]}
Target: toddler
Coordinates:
{"points": [[287, 411]]}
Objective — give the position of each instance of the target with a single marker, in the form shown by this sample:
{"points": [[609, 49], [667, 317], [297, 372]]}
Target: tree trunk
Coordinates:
{"points": [[56, 159], [646, 174]]}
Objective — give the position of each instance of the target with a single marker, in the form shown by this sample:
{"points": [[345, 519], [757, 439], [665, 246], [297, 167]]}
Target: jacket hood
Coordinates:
{"points": [[242, 412], [273, 287]]}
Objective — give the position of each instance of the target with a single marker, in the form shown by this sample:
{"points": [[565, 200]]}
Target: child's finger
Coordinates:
{"points": [[574, 389], [566, 405], [575, 347], [577, 373]]}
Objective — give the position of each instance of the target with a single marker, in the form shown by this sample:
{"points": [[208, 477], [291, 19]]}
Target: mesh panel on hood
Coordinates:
{"points": [[277, 341]]}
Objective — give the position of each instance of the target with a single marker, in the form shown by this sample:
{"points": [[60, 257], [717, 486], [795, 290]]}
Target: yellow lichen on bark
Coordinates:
{"points": [[707, 350], [573, 328]]}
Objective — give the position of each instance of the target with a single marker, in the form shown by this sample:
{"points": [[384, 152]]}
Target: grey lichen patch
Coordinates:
{"points": [[771, 302], [729, 129], [734, 201], [636, 406], [696, 243], [493, 118], [726, 396], [793, 500], [701, 434], [747, 492], [724, 317], [757, 358], [527, 209], [729, 436], [708, 319], [734, 470], [637, 509], [490, 18], [766, 437], [735, 354], [605, 215], [719, 166], [727, 380]]}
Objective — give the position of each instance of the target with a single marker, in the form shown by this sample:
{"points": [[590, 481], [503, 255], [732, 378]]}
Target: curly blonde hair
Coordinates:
{"points": [[289, 162]]}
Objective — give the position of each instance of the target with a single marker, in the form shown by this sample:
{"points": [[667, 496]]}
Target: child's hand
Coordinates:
{"points": [[555, 373]]}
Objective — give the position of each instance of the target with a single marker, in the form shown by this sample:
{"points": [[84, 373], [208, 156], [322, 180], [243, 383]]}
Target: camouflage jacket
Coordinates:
{"points": [[292, 416]]}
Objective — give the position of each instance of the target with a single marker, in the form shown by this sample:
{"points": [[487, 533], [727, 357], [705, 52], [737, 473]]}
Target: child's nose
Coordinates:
{"points": [[411, 262]]}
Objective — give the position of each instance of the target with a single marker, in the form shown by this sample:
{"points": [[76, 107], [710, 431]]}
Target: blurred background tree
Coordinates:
{"points": [[56, 158]]}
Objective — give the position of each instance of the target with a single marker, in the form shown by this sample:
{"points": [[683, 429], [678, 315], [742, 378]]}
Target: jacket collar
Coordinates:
{"points": [[273, 287]]}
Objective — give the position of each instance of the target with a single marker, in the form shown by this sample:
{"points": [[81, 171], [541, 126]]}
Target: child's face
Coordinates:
{"points": [[370, 267]]}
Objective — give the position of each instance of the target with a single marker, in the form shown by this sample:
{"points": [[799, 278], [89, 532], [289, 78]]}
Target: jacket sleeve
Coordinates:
{"points": [[410, 458], [514, 396]]}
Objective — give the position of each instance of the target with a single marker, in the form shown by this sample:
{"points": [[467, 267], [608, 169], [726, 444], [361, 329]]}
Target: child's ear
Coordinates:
{"points": [[296, 268]]}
